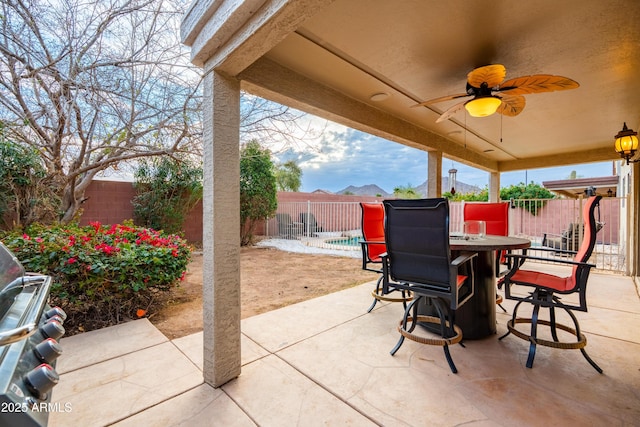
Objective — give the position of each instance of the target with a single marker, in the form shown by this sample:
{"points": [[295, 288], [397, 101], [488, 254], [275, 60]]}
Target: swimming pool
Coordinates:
{"points": [[345, 241]]}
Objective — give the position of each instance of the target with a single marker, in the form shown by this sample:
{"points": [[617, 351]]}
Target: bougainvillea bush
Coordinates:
{"points": [[103, 275]]}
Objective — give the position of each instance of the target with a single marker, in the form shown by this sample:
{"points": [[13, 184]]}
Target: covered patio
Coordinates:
{"points": [[364, 64], [326, 362]]}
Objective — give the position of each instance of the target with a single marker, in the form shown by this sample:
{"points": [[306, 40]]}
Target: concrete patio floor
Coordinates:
{"points": [[327, 362]]}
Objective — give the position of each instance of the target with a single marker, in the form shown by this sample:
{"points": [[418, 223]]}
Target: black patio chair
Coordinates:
{"points": [[287, 229], [309, 224], [568, 241], [418, 259], [547, 287]]}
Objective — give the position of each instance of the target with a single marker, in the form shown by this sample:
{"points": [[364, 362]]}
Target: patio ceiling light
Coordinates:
{"points": [[483, 106], [627, 143]]}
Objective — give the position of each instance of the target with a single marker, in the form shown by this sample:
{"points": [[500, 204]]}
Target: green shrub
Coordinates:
{"points": [[258, 190], [102, 275], [167, 188], [527, 196]]}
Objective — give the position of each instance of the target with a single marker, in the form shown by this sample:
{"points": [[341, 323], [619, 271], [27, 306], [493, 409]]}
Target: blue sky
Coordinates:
{"points": [[340, 157]]}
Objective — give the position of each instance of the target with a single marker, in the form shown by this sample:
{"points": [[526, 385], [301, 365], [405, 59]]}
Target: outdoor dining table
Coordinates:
{"points": [[477, 317]]}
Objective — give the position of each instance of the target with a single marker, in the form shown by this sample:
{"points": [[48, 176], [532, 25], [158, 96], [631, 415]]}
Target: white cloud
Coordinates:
{"points": [[341, 156]]}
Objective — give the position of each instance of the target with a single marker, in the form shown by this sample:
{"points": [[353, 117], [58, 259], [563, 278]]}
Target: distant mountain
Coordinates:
{"points": [[365, 190], [374, 190]]}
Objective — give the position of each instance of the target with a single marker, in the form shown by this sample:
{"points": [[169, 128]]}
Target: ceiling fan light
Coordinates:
{"points": [[482, 107], [626, 143]]}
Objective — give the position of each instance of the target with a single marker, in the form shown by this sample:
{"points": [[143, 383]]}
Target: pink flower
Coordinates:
{"points": [[26, 237], [72, 260]]}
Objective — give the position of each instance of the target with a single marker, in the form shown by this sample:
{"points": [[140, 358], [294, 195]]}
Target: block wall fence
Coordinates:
{"points": [[109, 202]]}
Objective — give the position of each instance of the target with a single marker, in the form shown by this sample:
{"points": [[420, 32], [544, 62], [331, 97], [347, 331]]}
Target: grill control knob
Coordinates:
{"points": [[52, 329], [48, 350], [40, 380], [55, 318], [56, 311]]}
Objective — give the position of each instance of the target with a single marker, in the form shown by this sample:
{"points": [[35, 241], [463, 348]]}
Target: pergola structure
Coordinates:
{"points": [[605, 186], [365, 63]]}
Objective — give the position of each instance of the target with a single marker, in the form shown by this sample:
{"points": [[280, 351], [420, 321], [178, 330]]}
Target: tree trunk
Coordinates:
{"points": [[73, 196]]}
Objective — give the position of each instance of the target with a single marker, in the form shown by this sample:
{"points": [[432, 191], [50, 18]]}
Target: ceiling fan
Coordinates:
{"points": [[491, 93]]}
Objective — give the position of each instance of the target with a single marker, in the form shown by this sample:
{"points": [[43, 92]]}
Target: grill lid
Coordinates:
{"points": [[11, 279], [10, 268]]}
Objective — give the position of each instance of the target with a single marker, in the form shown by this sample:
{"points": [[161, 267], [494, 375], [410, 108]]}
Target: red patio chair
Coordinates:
{"points": [[496, 218], [547, 287], [373, 247]]}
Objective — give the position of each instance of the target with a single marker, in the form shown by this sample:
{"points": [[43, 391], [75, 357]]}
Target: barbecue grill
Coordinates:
{"points": [[29, 328]]}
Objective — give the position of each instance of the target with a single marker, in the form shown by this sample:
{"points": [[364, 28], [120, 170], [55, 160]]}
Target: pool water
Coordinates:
{"points": [[345, 241]]}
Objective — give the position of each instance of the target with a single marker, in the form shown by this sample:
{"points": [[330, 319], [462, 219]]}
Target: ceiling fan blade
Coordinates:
{"points": [[441, 99], [451, 111], [492, 75], [536, 84], [511, 105]]}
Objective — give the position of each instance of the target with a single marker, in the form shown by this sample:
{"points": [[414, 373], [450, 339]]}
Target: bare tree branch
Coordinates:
{"points": [[93, 83]]}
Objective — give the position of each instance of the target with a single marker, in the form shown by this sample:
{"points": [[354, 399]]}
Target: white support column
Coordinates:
{"points": [[494, 187], [221, 229], [434, 178]]}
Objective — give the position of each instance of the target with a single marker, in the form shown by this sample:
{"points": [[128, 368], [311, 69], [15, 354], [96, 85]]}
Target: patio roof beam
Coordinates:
{"points": [[231, 34], [560, 159]]}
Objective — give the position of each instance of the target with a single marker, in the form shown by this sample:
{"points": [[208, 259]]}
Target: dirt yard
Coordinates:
{"points": [[270, 279]]}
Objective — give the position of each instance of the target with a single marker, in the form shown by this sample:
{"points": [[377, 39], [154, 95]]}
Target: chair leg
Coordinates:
{"points": [[452, 366], [404, 299], [591, 362], [499, 300], [397, 346], [414, 315], [582, 350], [534, 334], [556, 343], [373, 304], [404, 324], [375, 300], [552, 320], [446, 332], [513, 320]]}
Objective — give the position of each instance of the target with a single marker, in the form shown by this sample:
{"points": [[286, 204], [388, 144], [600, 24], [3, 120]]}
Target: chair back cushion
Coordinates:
{"points": [[284, 219], [495, 215], [579, 275], [590, 230], [310, 219], [373, 229], [417, 236]]}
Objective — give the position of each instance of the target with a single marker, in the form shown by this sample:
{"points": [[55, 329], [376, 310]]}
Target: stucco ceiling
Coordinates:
{"points": [[422, 49]]}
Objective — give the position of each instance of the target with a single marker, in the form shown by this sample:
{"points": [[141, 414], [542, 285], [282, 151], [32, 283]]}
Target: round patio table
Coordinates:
{"points": [[477, 317]]}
